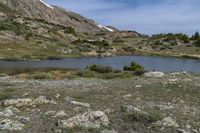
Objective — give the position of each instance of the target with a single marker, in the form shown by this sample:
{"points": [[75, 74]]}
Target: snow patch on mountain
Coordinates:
{"points": [[104, 27], [46, 4]]}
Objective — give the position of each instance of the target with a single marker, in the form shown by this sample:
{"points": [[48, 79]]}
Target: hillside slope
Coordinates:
{"points": [[33, 29]]}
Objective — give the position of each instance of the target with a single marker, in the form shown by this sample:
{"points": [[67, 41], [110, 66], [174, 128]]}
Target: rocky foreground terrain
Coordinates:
{"points": [[152, 103]]}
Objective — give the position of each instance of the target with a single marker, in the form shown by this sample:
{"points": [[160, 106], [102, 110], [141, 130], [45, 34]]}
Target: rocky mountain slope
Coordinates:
{"points": [[37, 9], [36, 30], [32, 29]]}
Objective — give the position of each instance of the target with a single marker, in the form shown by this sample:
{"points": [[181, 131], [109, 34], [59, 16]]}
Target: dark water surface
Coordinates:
{"points": [[164, 64]]}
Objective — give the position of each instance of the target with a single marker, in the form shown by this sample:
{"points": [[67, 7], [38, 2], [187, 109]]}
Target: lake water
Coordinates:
{"points": [[164, 64]]}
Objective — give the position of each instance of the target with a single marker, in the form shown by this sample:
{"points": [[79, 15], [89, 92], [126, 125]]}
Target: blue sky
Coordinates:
{"points": [[144, 16]]}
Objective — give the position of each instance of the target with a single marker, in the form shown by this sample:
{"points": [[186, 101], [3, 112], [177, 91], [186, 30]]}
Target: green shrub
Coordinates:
{"points": [[86, 73], [133, 67], [41, 75], [4, 95], [145, 118], [197, 42], [139, 72], [70, 30], [100, 69], [3, 74]]}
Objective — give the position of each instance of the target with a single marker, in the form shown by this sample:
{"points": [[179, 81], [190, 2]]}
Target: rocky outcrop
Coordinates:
{"points": [[167, 122], [91, 119], [40, 10], [28, 101], [10, 125], [154, 74]]}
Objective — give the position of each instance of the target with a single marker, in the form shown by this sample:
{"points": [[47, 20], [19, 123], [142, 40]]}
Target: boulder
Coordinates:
{"points": [[154, 75], [17, 102], [91, 119], [167, 122], [28, 101], [24, 119], [6, 113], [43, 100], [10, 125]]}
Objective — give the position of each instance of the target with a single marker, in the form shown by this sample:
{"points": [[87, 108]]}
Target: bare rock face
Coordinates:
{"points": [[92, 119], [38, 9]]}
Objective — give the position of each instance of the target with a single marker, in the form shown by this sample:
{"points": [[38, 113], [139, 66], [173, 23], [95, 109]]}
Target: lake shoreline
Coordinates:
{"points": [[138, 53]]}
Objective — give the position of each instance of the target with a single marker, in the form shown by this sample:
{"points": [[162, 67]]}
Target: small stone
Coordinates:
{"points": [[80, 103], [68, 99], [127, 96], [188, 126], [108, 111], [108, 131], [60, 114], [131, 109], [195, 131], [24, 95], [182, 131], [138, 86], [50, 113], [57, 96], [24, 119]]}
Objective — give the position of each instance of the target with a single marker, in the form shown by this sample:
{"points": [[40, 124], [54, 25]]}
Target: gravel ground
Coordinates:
{"points": [[169, 104]]}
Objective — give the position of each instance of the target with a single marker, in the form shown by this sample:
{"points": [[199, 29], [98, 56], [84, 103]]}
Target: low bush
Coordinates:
{"points": [[100, 69], [86, 73], [4, 95], [145, 118], [70, 30], [133, 67], [139, 72], [40, 75]]}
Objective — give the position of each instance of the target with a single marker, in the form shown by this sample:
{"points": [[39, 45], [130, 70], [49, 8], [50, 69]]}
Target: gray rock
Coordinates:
{"points": [[91, 119], [24, 119], [43, 100], [80, 103], [182, 131], [50, 113], [60, 113], [167, 122], [154, 75], [28, 101], [127, 96], [6, 113], [17, 102], [108, 131], [132, 109], [10, 125]]}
